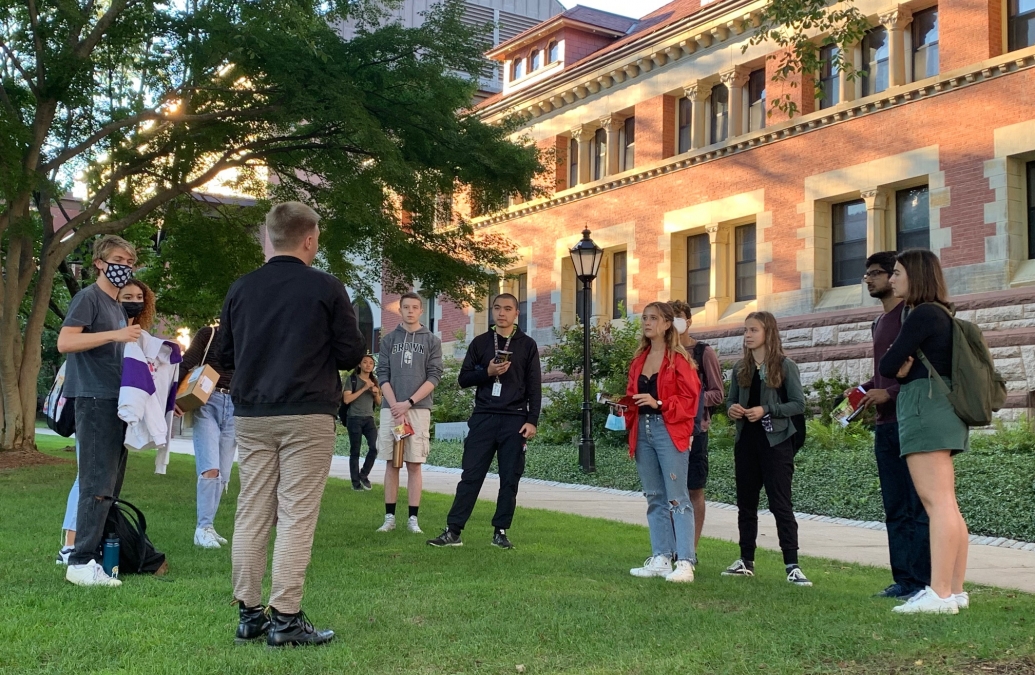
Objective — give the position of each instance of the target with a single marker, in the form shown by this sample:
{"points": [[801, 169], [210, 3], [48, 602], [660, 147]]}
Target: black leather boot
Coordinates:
{"points": [[254, 624], [294, 630]]}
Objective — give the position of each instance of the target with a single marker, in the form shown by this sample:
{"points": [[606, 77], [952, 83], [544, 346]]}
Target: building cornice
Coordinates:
{"points": [[702, 30], [962, 78]]}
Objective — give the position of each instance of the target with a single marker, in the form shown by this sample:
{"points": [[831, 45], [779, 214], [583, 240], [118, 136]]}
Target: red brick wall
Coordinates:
{"points": [[969, 31], [453, 319], [579, 44], [800, 88], [655, 129]]}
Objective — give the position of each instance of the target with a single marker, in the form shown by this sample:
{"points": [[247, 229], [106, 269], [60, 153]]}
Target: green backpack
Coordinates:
{"points": [[978, 389]]}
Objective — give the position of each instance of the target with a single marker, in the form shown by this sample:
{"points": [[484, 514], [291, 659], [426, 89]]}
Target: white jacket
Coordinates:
{"points": [[150, 369]]}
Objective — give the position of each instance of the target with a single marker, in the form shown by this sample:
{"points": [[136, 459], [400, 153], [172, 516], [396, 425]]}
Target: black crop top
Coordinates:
{"points": [[927, 327], [648, 385]]}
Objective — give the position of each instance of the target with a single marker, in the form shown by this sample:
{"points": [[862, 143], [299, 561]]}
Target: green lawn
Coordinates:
{"points": [[561, 602]]}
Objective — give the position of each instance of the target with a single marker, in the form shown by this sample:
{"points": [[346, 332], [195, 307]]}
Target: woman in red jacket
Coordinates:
{"points": [[664, 388]]}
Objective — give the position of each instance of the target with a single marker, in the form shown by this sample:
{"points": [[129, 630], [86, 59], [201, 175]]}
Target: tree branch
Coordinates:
{"points": [[86, 46], [16, 62]]}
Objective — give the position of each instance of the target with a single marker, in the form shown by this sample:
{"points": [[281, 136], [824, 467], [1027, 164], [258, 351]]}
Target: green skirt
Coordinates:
{"points": [[927, 421]]}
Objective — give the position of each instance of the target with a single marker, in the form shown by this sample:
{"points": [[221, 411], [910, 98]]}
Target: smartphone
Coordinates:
{"points": [[502, 356]]}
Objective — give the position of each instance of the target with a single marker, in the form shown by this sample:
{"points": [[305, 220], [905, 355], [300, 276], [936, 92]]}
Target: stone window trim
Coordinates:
{"points": [[1008, 249], [613, 239]]}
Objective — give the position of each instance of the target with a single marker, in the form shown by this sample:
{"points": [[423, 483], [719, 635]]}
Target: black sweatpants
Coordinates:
{"points": [[756, 467], [360, 427], [102, 467], [490, 435]]}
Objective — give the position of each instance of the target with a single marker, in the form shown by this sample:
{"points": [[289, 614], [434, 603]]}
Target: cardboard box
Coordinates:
{"points": [[196, 389]]}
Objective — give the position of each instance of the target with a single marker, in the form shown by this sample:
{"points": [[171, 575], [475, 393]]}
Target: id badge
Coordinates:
{"points": [[497, 387]]}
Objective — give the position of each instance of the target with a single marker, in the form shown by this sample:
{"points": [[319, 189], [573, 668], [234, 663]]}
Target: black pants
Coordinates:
{"points": [[490, 435], [756, 467], [909, 537], [102, 467], [358, 428]]}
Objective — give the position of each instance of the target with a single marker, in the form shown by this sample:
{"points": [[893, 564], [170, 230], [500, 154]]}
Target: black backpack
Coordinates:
{"points": [[698, 355], [798, 439], [59, 411], [343, 407], [137, 555]]}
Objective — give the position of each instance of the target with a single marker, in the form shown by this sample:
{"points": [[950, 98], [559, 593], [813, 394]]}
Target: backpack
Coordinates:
{"points": [[137, 555], [59, 411], [798, 439], [343, 407], [978, 389], [698, 354]]}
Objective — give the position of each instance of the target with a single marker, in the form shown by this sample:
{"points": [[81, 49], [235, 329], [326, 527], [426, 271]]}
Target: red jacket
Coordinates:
{"points": [[678, 388]]}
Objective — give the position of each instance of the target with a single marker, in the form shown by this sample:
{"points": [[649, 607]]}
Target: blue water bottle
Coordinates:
{"points": [[111, 556]]}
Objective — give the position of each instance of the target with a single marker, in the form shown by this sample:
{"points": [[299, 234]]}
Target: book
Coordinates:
{"points": [[849, 408], [401, 431]]}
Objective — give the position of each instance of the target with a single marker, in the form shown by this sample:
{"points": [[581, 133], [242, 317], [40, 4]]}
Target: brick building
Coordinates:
{"points": [[665, 147]]}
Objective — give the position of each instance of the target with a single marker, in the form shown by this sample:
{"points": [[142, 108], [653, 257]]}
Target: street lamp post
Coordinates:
{"points": [[586, 257]]}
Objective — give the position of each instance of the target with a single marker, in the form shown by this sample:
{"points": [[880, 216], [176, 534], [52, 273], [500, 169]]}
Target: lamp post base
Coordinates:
{"points": [[587, 455]]}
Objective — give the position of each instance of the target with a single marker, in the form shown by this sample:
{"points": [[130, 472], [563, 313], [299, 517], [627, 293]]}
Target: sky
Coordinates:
{"points": [[633, 8]]}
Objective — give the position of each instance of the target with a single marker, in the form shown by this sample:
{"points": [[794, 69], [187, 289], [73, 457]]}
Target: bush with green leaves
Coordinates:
{"points": [[452, 404]]}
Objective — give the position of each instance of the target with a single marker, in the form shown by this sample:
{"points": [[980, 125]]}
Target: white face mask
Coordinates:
{"points": [[679, 323]]}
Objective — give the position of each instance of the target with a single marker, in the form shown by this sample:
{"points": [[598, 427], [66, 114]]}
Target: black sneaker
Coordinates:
{"points": [[740, 568], [447, 538], [499, 540], [892, 591], [253, 625], [294, 630], [797, 577], [365, 482], [357, 486]]}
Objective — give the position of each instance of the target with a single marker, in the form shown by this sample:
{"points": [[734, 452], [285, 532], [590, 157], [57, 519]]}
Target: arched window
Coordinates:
{"points": [[720, 113], [534, 60], [553, 52], [517, 70], [365, 318]]}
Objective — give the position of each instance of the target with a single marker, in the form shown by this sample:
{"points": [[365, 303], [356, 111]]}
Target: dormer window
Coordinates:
{"points": [[534, 60], [553, 52], [517, 70]]}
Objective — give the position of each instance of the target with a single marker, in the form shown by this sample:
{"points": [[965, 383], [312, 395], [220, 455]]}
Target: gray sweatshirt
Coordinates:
{"points": [[407, 360]]}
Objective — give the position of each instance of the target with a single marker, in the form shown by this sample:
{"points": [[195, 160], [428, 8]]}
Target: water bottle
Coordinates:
{"points": [[111, 556]]}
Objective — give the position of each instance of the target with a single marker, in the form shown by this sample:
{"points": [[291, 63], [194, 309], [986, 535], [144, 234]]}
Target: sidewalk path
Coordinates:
{"points": [[993, 565]]}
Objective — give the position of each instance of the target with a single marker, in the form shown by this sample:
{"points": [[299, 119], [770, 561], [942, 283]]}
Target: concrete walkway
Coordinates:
{"points": [[992, 565]]}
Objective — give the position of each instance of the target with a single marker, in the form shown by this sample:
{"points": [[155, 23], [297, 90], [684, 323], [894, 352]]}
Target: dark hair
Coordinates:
{"points": [[506, 296], [886, 260], [411, 296], [681, 307], [773, 353], [924, 274]]}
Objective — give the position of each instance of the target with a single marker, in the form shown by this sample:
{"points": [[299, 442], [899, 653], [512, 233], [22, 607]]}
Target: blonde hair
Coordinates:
{"points": [[672, 344], [288, 225], [773, 353], [104, 246]]}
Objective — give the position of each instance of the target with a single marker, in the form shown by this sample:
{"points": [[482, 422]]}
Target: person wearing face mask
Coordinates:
{"points": [[712, 395], [138, 301], [93, 334]]}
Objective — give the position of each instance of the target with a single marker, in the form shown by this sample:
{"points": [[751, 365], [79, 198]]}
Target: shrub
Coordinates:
{"points": [[452, 404]]}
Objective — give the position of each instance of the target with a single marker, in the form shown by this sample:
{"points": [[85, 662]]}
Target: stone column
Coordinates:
{"points": [[612, 125], [720, 294], [735, 79], [896, 21], [877, 237], [698, 93], [583, 134]]}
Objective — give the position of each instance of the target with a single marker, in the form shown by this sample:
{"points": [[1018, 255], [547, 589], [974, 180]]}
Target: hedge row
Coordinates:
{"points": [[836, 474]]}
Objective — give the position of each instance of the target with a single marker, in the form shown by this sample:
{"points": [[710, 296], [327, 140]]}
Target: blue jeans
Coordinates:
{"points": [[662, 469], [909, 538], [72, 505], [214, 446]]}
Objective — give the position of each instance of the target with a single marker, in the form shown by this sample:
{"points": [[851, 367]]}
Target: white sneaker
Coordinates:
{"points": [[928, 602], [205, 537], [655, 566], [389, 523], [962, 600], [412, 525], [62, 556], [684, 572], [220, 538], [90, 574]]}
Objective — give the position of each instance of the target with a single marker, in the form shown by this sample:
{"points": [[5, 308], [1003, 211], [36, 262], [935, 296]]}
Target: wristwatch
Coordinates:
{"points": [[659, 403], [410, 401]]}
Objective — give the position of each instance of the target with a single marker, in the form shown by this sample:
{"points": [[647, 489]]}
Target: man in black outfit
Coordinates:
{"points": [[503, 364]]}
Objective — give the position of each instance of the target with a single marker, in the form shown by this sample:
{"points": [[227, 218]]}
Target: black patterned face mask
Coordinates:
{"points": [[118, 275]]}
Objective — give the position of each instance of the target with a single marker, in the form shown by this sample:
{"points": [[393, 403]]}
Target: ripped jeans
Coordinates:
{"points": [[662, 469]]}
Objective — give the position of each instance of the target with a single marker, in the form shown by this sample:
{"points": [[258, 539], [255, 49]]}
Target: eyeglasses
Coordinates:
{"points": [[873, 274]]}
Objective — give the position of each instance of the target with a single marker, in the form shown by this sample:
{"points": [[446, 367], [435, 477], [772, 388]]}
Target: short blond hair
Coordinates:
{"points": [[103, 247], [288, 225]]}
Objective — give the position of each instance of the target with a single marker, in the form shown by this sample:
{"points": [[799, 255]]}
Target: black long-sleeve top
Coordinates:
{"points": [[192, 357], [521, 387], [287, 331], [927, 327]]}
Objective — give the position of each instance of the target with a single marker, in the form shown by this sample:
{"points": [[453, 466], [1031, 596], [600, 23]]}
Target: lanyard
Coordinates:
{"points": [[506, 345]]}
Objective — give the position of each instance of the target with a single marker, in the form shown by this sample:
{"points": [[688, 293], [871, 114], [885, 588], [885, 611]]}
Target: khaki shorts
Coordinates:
{"points": [[417, 446]]}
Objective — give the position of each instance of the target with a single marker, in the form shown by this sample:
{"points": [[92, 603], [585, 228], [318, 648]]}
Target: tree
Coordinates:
{"points": [[149, 102]]}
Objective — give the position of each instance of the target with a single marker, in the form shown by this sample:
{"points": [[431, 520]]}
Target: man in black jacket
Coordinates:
{"points": [[287, 331], [504, 366]]}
